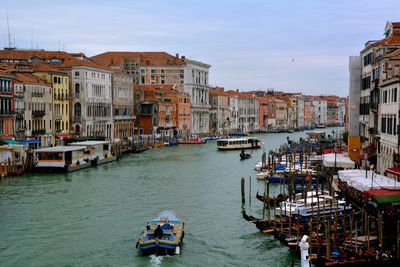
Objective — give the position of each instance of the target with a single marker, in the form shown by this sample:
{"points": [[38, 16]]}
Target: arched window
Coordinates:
{"points": [[77, 88], [77, 109]]}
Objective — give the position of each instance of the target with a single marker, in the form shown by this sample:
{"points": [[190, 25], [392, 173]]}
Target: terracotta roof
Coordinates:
{"points": [[73, 62], [28, 54], [392, 39], [29, 78], [396, 24], [145, 58]]}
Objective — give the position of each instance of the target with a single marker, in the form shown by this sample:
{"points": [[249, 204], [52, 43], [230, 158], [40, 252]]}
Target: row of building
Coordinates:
{"points": [[269, 111], [375, 101], [54, 95]]}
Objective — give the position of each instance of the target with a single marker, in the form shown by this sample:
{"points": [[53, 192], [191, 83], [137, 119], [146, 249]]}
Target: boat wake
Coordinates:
{"points": [[155, 260]]}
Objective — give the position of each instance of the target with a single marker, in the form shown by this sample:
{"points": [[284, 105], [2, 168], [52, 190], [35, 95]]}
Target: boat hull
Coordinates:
{"points": [[158, 247], [61, 169]]}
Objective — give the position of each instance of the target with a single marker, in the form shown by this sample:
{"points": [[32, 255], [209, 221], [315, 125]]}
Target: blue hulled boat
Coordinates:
{"points": [[168, 241]]}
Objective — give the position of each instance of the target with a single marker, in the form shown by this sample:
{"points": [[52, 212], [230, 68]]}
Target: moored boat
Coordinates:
{"points": [[61, 159], [169, 241], [97, 152], [193, 141]]}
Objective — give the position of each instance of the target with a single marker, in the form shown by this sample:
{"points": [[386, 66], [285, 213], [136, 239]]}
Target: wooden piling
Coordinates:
{"points": [[249, 189], [242, 190]]}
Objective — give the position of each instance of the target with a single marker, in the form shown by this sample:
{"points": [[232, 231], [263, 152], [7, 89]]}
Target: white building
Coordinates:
{"points": [[248, 114], [388, 111], [320, 112], [196, 85], [91, 100]]}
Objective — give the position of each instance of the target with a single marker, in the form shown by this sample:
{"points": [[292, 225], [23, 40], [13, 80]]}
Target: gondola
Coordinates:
{"points": [[272, 200], [245, 156]]}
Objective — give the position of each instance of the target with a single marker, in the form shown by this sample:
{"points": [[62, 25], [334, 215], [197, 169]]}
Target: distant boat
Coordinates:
{"points": [[172, 235], [193, 141], [238, 143]]}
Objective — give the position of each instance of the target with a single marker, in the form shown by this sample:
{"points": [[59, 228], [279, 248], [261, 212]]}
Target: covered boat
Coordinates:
{"points": [[168, 241]]}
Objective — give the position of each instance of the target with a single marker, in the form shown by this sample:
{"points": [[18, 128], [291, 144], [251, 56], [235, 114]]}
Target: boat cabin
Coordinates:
{"points": [[95, 149], [315, 136], [238, 143], [61, 157]]}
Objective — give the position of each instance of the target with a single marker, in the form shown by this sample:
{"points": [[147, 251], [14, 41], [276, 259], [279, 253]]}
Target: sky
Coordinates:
{"points": [[290, 45]]}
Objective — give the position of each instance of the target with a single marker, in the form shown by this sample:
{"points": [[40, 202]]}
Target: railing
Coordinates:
{"points": [[6, 112], [58, 117], [38, 132], [19, 110], [76, 95], [374, 106], [37, 94], [373, 131], [76, 119], [38, 113]]}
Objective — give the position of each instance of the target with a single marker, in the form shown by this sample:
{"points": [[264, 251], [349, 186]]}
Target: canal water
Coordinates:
{"points": [[93, 217]]}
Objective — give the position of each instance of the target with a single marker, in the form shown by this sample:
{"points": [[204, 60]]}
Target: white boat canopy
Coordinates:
{"points": [[341, 161], [365, 180]]}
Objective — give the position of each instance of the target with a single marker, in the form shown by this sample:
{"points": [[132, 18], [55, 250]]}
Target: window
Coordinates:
{"points": [[77, 109], [367, 59], [366, 83], [77, 88], [76, 73]]}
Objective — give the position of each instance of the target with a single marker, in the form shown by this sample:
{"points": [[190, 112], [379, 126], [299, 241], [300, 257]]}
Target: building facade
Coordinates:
{"points": [[123, 106], [7, 117], [91, 101]]}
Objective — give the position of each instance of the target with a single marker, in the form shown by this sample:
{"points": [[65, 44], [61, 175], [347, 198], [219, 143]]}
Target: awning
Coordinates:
{"points": [[340, 161], [394, 170], [32, 141], [64, 136], [11, 142]]}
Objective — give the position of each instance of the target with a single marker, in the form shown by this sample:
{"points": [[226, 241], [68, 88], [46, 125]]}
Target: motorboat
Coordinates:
{"points": [[170, 240]]}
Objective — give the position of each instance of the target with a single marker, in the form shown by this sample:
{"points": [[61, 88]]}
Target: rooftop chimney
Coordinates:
{"points": [[183, 57], [177, 55]]}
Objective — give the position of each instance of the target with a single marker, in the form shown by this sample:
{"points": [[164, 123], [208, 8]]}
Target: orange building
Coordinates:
{"points": [[162, 110]]}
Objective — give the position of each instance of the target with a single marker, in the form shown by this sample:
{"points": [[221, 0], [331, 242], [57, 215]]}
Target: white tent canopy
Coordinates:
{"points": [[341, 161]]}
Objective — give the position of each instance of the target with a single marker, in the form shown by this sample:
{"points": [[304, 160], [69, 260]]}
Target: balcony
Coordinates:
{"points": [[374, 106], [37, 94], [6, 112], [19, 110], [76, 95], [38, 113], [373, 131], [76, 119], [58, 117], [38, 132]]}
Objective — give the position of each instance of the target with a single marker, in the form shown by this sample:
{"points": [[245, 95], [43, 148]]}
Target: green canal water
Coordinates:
{"points": [[93, 217]]}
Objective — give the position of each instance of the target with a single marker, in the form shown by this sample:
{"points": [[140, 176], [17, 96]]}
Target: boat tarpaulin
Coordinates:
{"points": [[341, 161]]}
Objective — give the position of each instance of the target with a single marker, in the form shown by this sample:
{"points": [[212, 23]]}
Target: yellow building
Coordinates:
{"points": [[60, 83]]}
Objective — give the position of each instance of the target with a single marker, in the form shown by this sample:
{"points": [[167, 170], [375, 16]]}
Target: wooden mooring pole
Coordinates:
{"points": [[249, 189], [242, 190]]}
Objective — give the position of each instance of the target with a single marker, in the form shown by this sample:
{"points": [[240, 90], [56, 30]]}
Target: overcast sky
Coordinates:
{"points": [[290, 45]]}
